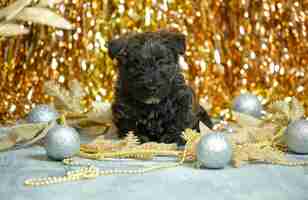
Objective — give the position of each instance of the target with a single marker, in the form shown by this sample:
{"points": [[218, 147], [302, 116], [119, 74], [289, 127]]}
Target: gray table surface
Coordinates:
{"points": [[250, 182]]}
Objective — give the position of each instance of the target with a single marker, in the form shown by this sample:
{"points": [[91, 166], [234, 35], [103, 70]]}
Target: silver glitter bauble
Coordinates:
{"points": [[297, 136], [248, 104], [42, 113], [214, 151], [62, 142]]}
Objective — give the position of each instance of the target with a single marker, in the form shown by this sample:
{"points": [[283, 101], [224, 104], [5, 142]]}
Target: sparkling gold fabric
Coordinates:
{"points": [[233, 46]]}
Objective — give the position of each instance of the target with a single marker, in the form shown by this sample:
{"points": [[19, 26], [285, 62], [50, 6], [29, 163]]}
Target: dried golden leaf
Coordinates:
{"points": [[192, 139], [13, 9], [252, 134], [9, 29], [241, 135], [95, 122], [279, 136], [264, 133], [280, 107], [21, 134], [282, 112], [43, 16], [76, 91], [246, 120], [45, 3], [38, 137], [190, 135], [92, 130], [239, 156], [101, 112], [259, 152], [62, 98], [26, 132], [278, 118], [297, 110]]}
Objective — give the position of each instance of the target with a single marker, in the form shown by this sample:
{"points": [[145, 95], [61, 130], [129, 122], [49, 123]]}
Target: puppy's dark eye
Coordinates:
{"points": [[137, 62], [135, 71]]}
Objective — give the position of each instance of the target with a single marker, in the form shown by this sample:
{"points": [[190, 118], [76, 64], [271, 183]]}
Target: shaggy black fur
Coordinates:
{"points": [[151, 96]]}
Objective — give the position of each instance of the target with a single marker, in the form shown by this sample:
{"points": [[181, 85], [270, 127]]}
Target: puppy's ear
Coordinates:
{"points": [[116, 47], [175, 41]]}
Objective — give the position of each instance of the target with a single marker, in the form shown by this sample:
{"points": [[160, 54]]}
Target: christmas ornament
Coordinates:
{"points": [[297, 136], [42, 113], [248, 104], [62, 142], [214, 151]]}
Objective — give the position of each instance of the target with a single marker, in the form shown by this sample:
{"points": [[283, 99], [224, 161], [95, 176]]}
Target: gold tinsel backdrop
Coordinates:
{"points": [[233, 46]]}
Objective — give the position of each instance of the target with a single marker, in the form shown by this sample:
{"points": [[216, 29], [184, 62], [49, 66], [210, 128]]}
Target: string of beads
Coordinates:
{"points": [[90, 172]]}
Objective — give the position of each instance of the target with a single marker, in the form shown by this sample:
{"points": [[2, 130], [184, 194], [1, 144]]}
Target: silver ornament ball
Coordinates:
{"points": [[62, 142], [249, 104], [297, 136], [41, 114], [214, 151]]}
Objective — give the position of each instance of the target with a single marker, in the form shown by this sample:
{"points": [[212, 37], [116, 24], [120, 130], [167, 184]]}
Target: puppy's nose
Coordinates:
{"points": [[153, 89]]}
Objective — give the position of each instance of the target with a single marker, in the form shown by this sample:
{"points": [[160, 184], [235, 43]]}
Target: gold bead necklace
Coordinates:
{"points": [[90, 172]]}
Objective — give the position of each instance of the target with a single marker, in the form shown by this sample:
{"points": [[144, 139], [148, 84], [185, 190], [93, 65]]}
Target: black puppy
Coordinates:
{"points": [[151, 96]]}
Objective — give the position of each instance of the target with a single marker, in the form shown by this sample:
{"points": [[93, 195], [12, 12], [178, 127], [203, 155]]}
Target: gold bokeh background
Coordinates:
{"points": [[232, 46]]}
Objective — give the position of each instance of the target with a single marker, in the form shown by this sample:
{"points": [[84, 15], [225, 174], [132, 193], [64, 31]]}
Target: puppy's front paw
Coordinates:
{"points": [[185, 116], [173, 136], [185, 98]]}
